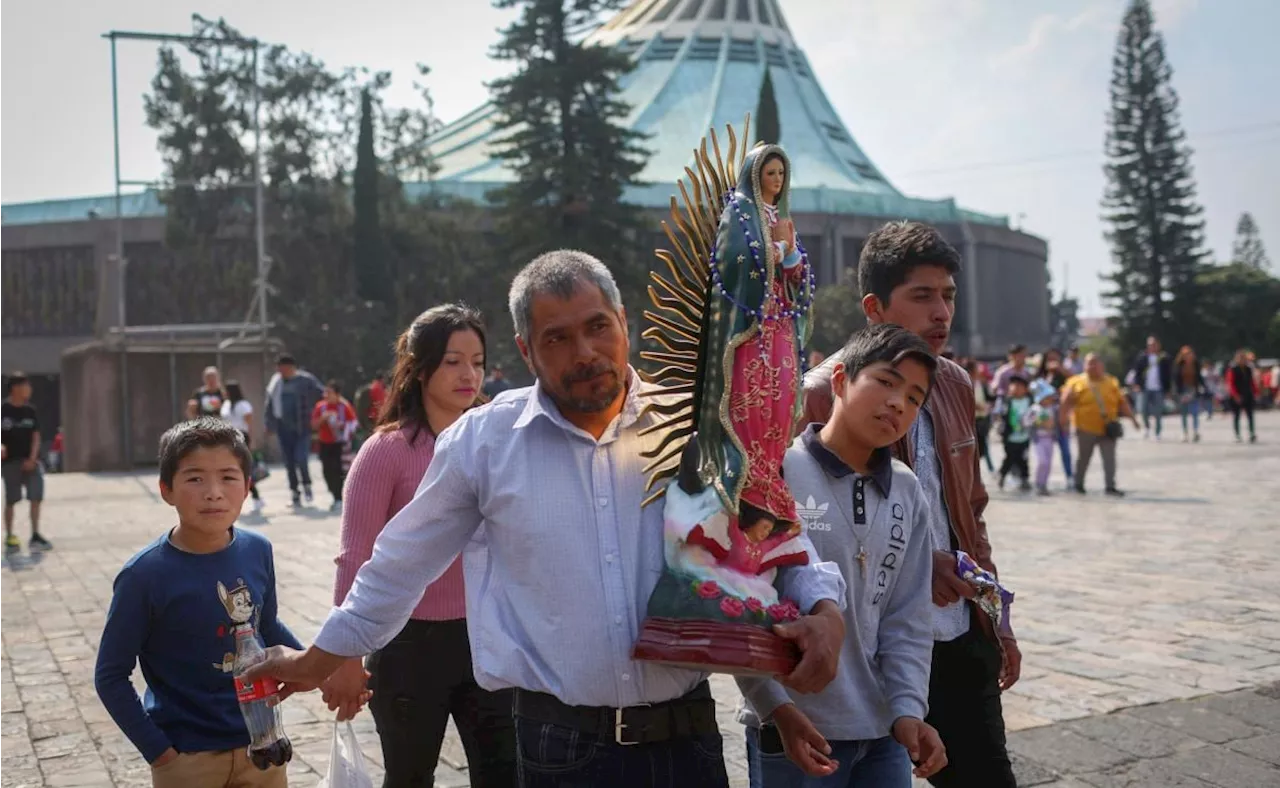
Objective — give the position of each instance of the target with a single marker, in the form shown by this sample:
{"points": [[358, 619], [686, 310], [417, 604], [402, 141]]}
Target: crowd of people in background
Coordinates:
{"points": [[1037, 403]]}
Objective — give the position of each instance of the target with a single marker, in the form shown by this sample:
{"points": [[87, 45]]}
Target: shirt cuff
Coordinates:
{"points": [[346, 635], [764, 696], [908, 706], [808, 586]]}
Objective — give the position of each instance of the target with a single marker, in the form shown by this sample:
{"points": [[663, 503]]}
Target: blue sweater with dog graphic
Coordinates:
{"points": [[175, 613]]}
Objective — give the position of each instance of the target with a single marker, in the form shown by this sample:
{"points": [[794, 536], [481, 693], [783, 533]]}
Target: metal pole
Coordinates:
{"points": [[260, 228], [126, 423], [174, 402]]}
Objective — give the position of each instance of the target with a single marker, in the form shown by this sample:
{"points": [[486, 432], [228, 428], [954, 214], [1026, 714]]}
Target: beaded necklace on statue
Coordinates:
{"points": [[759, 271]]}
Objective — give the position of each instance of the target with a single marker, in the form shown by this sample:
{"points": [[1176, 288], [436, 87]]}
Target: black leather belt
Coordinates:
{"points": [[692, 714]]}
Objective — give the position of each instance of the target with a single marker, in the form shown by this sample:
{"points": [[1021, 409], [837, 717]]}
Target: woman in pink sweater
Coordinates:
{"points": [[424, 675]]}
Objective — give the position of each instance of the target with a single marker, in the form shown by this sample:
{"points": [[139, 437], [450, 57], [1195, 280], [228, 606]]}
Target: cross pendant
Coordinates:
{"points": [[862, 559]]}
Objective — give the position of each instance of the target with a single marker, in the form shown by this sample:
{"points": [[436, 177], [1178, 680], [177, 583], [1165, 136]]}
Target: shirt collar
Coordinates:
{"points": [[540, 404], [881, 465]]}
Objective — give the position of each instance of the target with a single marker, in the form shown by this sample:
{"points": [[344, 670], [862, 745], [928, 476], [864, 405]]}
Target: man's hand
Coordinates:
{"points": [[29, 464], [165, 757], [947, 585], [819, 636], [923, 744], [805, 747], [346, 690], [1011, 670], [293, 670]]}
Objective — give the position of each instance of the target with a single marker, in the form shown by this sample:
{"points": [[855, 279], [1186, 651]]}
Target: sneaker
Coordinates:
{"points": [[11, 544], [39, 543], [1196, 439], [335, 507], [1042, 491], [1024, 486], [1185, 439], [306, 493], [1253, 438], [297, 500], [1078, 489], [1114, 493], [258, 503], [1002, 481]]}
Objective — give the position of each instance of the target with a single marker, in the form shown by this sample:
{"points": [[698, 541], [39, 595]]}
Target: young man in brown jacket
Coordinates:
{"points": [[906, 275]]}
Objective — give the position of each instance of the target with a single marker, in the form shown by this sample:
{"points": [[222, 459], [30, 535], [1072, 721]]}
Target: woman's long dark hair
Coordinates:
{"points": [[234, 392], [419, 352]]}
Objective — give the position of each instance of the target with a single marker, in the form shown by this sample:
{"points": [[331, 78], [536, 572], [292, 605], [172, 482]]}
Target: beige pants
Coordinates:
{"points": [[216, 769]]}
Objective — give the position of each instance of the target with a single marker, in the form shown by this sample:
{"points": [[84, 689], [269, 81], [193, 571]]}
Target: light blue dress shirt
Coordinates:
{"points": [[560, 558]]}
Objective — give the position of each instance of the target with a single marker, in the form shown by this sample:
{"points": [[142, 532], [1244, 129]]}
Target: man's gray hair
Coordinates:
{"points": [[558, 273]]}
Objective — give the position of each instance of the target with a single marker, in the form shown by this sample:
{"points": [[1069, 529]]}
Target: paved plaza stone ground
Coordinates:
{"points": [[1123, 606]]}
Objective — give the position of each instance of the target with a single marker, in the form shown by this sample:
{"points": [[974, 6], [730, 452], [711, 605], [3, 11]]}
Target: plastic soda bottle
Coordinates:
{"points": [[268, 744]]}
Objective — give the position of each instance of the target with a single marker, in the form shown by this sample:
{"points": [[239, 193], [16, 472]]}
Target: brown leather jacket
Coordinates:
{"points": [[951, 407]]}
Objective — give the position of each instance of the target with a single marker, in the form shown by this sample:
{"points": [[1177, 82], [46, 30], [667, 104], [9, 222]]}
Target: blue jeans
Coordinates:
{"points": [[1152, 406], [296, 448], [873, 763], [1064, 446], [1190, 405]]}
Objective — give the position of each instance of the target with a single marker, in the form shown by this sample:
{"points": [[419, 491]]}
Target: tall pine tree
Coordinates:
{"points": [[768, 124], [373, 282], [1155, 227], [563, 135], [1248, 249]]}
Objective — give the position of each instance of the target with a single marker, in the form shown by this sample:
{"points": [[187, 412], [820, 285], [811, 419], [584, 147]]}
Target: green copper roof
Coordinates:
{"points": [[699, 65]]}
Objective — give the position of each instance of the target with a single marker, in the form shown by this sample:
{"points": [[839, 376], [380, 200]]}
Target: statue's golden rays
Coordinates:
{"points": [[681, 298]]}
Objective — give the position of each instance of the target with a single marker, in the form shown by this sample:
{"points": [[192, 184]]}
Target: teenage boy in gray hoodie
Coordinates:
{"points": [[865, 511]]}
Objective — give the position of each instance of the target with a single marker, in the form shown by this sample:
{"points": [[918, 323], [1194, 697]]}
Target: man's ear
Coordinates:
{"points": [[526, 355], [872, 308], [166, 492]]}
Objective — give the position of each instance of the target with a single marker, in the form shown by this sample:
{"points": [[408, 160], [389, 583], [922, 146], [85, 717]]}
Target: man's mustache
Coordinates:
{"points": [[587, 373]]}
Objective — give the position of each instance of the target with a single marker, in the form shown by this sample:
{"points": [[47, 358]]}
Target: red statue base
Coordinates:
{"points": [[715, 646]]}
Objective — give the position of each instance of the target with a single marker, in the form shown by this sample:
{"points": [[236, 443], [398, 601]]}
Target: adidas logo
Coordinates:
{"points": [[811, 514]]}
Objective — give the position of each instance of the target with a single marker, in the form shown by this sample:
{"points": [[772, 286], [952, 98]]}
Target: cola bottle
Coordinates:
{"points": [[268, 745]]}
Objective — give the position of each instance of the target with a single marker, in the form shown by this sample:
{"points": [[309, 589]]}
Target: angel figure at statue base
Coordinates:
{"points": [[731, 528]]}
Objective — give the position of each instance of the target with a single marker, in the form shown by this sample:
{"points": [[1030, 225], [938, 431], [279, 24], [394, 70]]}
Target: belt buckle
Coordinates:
{"points": [[619, 725]]}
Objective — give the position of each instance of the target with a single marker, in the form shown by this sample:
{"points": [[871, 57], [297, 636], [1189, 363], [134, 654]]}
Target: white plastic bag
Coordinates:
{"points": [[346, 763]]}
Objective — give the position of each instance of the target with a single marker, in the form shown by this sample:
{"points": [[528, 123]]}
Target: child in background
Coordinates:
{"points": [[175, 609], [334, 421], [1013, 428], [1043, 418]]}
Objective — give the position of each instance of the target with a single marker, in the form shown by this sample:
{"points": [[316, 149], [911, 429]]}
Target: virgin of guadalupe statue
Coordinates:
{"points": [[732, 318]]}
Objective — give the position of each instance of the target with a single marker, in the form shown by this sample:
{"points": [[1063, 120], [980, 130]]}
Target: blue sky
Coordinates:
{"points": [[999, 103]]}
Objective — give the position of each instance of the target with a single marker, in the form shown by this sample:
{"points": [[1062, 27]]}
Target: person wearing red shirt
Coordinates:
{"points": [[333, 421], [1242, 387]]}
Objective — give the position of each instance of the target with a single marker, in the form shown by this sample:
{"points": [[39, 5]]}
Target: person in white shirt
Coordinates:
{"points": [[238, 411]]}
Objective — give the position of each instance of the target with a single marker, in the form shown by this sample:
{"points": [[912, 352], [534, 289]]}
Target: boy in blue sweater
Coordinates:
{"points": [[865, 511], [175, 609]]}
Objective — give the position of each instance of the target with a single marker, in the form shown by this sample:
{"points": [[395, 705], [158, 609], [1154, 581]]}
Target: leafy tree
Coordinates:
{"points": [[373, 281], [1248, 248], [1237, 305], [837, 313], [561, 122], [310, 121], [768, 124], [1155, 227]]}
